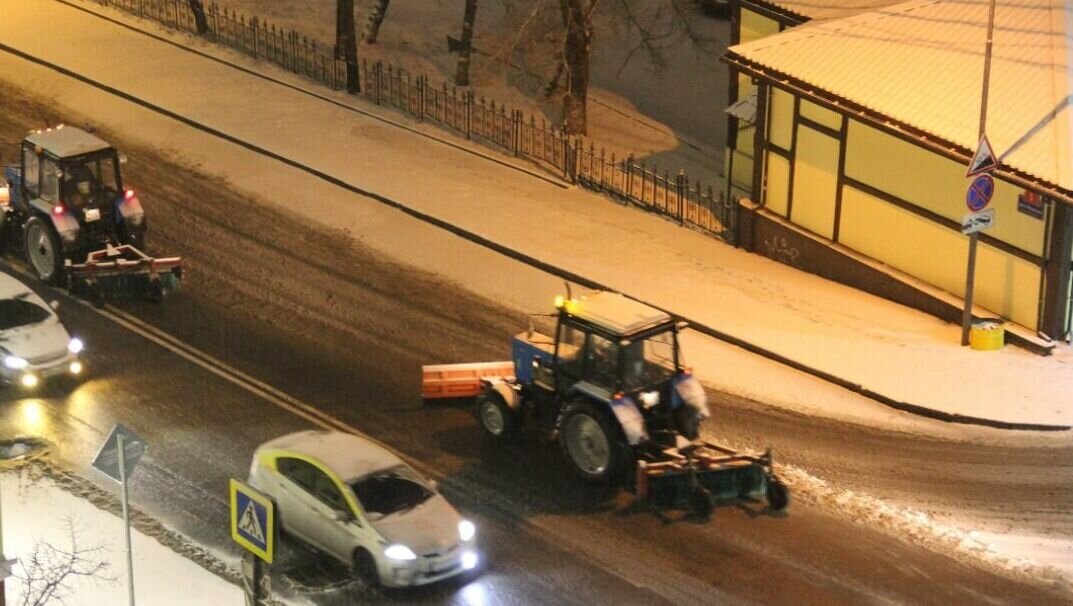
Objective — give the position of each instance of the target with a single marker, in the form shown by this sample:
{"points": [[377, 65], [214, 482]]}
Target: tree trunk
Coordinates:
{"points": [[346, 42], [200, 21], [372, 28], [577, 50], [468, 20]]}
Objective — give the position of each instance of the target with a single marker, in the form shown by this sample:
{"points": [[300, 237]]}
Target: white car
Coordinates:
{"points": [[34, 345], [361, 504]]}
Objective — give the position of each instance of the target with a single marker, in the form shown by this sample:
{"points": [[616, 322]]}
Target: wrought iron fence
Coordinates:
{"points": [[625, 179]]}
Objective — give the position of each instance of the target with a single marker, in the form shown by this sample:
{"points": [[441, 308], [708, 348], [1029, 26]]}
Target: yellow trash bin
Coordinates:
{"points": [[987, 335]]}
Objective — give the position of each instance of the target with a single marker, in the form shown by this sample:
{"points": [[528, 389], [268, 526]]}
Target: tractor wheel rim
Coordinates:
{"points": [[587, 444], [40, 248], [492, 418]]}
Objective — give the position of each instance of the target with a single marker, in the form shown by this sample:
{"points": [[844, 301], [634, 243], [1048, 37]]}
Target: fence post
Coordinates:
{"points": [[515, 132], [680, 185], [469, 114]]}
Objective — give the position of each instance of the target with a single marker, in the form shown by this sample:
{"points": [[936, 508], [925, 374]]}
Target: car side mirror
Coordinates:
{"points": [[54, 304]]}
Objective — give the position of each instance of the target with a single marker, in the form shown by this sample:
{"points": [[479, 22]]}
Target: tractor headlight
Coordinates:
{"points": [[649, 398], [400, 552], [466, 530], [15, 362], [75, 345]]}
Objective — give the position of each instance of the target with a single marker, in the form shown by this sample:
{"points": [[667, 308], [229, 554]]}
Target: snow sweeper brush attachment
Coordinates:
{"points": [[702, 473], [124, 272]]}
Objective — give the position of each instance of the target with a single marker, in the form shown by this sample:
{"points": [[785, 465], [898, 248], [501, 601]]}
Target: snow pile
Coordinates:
{"points": [[38, 512], [966, 545]]}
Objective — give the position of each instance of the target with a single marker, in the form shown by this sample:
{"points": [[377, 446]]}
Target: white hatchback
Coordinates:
{"points": [[34, 345], [361, 504]]}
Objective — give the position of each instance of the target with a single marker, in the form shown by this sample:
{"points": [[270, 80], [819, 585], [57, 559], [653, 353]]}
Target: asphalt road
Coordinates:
{"points": [[346, 332]]}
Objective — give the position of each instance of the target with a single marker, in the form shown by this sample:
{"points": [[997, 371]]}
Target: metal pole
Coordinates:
{"points": [[3, 558], [120, 450], [970, 278]]}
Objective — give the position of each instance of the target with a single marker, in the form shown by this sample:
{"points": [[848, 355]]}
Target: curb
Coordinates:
{"points": [[541, 265]]}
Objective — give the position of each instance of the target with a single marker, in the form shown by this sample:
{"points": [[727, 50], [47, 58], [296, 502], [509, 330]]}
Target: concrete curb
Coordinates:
{"points": [[542, 265]]}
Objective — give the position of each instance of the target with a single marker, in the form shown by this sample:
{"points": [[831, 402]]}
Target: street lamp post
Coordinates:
{"points": [[970, 278]]}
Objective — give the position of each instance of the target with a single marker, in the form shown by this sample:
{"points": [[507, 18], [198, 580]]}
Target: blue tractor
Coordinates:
{"points": [[65, 206], [612, 386]]}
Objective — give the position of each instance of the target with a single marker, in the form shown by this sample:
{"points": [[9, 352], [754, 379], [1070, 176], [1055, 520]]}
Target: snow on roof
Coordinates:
{"points": [[10, 287], [67, 141], [826, 9], [616, 313], [921, 63], [348, 455]]}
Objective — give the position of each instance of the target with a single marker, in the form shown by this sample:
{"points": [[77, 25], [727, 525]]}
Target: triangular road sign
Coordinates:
{"points": [[983, 161], [250, 525]]}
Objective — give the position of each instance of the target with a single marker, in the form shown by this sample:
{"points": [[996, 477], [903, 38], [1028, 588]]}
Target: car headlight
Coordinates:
{"points": [[400, 552], [466, 530], [75, 345], [15, 362]]}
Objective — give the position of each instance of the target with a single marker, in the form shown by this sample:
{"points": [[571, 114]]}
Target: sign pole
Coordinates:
{"points": [[3, 590], [126, 514], [970, 278]]}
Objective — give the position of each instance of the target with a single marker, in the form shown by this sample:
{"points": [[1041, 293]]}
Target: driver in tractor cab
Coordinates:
{"points": [[78, 185]]}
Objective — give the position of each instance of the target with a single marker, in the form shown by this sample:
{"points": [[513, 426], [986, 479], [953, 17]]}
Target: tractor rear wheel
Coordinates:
{"points": [[591, 443], [498, 421], [44, 251], [778, 495], [687, 421]]}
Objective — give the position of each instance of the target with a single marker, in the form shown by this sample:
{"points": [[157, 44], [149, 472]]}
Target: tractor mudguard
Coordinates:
{"points": [[130, 210], [630, 419], [65, 225], [510, 396], [689, 392]]}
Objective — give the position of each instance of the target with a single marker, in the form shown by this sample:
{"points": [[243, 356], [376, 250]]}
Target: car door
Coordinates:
{"points": [[295, 478]]}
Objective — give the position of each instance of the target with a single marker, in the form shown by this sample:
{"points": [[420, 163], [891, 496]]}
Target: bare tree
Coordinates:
{"points": [[346, 42], [48, 572], [376, 18], [469, 18], [200, 21], [577, 55]]}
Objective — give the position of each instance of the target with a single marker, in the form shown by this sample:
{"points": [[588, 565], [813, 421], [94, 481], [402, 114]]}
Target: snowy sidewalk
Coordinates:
{"points": [[889, 349]]}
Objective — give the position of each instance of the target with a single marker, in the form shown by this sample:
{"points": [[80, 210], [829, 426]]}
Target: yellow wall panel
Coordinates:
{"points": [[937, 255], [815, 181], [755, 26], [781, 127], [742, 172], [778, 183], [821, 115], [935, 183]]}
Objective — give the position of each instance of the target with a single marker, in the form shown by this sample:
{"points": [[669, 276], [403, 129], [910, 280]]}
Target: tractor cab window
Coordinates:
{"points": [[601, 361], [80, 184], [648, 361], [571, 344], [50, 183], [32, 170], [106, 171]]}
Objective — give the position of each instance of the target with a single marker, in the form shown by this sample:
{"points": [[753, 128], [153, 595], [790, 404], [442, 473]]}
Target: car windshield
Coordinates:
{"points": [[391, 490], [648, 361], [20, 312]]}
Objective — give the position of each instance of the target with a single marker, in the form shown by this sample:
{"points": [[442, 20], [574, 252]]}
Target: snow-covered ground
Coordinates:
{"points": [[38, 512]]}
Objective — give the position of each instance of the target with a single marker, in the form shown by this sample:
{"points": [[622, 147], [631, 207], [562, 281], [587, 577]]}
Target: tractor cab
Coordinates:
{"points": [[615, 345]]}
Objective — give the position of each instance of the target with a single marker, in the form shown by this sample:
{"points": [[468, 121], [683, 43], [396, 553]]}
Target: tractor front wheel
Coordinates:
{"points": [[591, 443], [498, 421], [44, 251]]}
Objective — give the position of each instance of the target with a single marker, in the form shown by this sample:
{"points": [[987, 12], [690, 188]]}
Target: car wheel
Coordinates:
{"points": [[365, 568], [591, 443], [498, 421], [44, 251]]}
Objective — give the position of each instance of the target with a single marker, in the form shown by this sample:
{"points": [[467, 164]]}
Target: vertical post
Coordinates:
{"points": [[681, 185], [970, 277], [3, 558], [121, 453]]}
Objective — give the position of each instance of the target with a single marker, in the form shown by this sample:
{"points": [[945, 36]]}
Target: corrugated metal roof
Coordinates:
{"points": [[828, 9], [921, 63]]}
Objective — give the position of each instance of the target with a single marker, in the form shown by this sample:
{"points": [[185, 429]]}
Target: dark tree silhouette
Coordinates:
{"points": [[376, 18], [200, 21], [469, 18], [346, 42]]}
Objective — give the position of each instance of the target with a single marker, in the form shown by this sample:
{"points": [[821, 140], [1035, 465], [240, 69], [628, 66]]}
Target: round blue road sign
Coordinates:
{"points": [[980, 191]]}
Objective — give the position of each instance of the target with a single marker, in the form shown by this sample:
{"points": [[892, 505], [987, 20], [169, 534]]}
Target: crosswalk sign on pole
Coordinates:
{"points": [[253, 520], [983, 161]]}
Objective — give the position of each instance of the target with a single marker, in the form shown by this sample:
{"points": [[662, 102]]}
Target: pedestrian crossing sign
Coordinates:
{"points": [[253, 520]]}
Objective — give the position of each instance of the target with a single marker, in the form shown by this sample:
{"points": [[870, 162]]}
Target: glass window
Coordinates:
{"points": [[327, 491], [298, 471], [19, 312], [649, 361], [49, 182], [571, 342], [107, 174], [601, 360], [393, 490], [32, 167]]}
